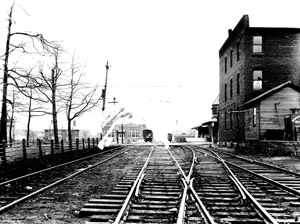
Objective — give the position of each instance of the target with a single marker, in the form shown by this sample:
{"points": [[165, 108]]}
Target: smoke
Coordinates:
{"points": [[113, 119]]}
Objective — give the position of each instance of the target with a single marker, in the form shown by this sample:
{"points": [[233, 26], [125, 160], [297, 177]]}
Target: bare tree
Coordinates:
{"points": [[35, 107], [80, 97], [9, 49], [50, 87]]}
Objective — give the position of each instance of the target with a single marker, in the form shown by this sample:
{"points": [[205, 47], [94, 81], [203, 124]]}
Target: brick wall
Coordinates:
{"points": [[280, 62]]}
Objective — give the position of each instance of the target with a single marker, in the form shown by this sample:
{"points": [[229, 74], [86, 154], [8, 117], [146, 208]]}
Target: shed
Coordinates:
{"points": [[264, 114]]}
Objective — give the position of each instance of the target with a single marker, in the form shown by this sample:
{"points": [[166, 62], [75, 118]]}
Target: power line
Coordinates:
{"points": [[154, 86]]}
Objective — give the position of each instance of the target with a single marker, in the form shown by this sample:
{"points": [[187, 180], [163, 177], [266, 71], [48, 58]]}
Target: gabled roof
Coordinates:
{"points": [[216, 101], [271, 91]]}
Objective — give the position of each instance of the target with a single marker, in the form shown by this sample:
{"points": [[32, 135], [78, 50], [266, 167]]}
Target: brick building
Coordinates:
{"points": [[125, 133], [252, 61]]}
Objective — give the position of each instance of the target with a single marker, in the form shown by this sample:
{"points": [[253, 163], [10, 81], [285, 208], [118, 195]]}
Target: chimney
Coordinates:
{"points": [[229, 32]]}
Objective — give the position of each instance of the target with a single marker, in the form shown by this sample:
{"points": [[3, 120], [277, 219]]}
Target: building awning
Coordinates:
{"points": [[206, 123]]}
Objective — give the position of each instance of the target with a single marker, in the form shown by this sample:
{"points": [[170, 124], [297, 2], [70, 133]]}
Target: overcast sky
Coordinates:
{"points": [[163, 53]]}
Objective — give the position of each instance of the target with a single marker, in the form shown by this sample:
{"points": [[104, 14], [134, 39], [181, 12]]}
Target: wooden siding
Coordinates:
{"points": [[272, 111], [252, 131]]}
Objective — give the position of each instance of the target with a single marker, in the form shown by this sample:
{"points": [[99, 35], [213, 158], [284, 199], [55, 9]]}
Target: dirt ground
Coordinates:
{"points": [[62, 204], [291, 163]]}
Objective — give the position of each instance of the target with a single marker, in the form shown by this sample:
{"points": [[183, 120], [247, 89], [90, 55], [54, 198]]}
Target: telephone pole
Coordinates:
{"points": [[114, 102], [105, 86]]}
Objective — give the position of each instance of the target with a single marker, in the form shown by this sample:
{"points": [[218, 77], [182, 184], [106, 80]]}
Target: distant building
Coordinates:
{"points": [[253, 60], [209, 128], [62, 134], [125, 133]]}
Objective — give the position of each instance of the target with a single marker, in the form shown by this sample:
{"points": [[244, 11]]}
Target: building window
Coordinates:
{"points": [[238, 84], [230, 88], [257, 44], [254, 118], [231, 55], [225, 65], [225, 92], [111, 134], [295, 111], [257, 80], [238, 51], [134, 133]]}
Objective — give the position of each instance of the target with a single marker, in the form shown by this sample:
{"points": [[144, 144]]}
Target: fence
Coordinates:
{"points": [[26, 150]]}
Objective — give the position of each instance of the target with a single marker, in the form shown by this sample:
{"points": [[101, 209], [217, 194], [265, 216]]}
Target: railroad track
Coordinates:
{"points": [[154, 192], [275, 189], [175, 186], [20, 189], [188, 184]]}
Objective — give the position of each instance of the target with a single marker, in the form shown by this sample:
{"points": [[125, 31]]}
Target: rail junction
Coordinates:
{"points": [[177, 184]]}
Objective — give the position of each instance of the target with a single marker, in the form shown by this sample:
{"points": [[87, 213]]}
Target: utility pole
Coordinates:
{"points": [[122, 129], [114, 102], [117, 133], [105, 86]]}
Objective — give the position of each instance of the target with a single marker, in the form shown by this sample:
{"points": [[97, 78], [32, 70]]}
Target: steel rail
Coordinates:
{"points": [[56, 183], [231, 174], [127, 200], [261, 210], [138, 185], [273, 182], [276, 183], [261, 163], [192, 165], [179, 167], [54, 167], [204, 212], [181, 213], [238, 187]]}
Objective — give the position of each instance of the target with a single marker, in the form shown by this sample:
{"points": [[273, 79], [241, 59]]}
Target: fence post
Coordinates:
{"points": [[4, 152], [40, 147], [77, 144], [52, 147], [89, 143], [83, 148], [62, 146], [24, 149], [93, 142]]}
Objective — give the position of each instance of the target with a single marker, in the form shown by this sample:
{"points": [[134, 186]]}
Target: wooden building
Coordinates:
{"points": [[252, 61], [265, 114]]}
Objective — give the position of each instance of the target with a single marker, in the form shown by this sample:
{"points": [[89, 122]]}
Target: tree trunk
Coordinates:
{"points": [[29, 117], [12, 119], [10, 131], [3, 122], [54, 113], [70, 133]]}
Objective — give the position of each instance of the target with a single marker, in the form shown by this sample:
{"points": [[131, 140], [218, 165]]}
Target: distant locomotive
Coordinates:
{"points": [[170, 137], [147, 135]]}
